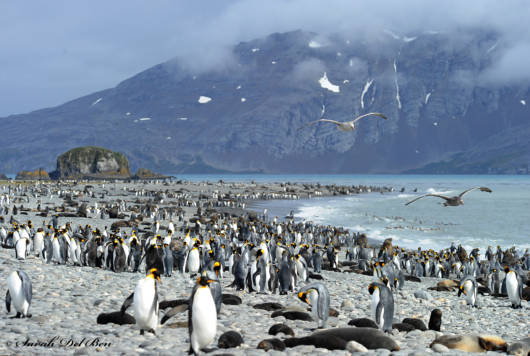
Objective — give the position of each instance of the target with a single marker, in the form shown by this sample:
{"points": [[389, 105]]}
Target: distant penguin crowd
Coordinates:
{"points": [[255, 252]]}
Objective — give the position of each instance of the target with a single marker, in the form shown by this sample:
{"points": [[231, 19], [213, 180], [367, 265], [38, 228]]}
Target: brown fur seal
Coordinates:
{"points": [[271, 344], [270, 306], [368, 337], [281, 328], [363, 323], [416, 323], [230, 339], [472, 343], [436, 320], [329, 342], [116, 318]]}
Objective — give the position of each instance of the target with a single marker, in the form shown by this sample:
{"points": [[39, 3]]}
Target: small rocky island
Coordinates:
{"points": [[91, 163]]}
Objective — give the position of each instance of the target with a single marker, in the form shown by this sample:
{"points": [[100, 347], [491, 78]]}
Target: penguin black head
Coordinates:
{"points": [[203, 280], [211, 253], [217, 267], [303, 297], [372, 288], [153, 273], [259, 253]]}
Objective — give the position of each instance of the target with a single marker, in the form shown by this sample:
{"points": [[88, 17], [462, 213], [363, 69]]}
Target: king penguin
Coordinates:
{"points": [[468, 286], [145, 300], [514, 287], [382, 305], [21, 248], [194, 259], [19, 293], [202, 316], [317, 295]]}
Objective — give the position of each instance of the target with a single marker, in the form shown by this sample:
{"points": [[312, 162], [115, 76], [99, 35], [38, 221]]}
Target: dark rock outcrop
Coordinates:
{"points": [[91, 162], [144, 173], [38, 174]]}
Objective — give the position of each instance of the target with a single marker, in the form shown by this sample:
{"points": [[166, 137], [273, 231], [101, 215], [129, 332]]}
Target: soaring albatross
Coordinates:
{"points": [[345, 125], [451, 201]]}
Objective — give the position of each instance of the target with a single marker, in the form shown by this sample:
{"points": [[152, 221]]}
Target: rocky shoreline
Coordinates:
{"points": [[67, 299]]}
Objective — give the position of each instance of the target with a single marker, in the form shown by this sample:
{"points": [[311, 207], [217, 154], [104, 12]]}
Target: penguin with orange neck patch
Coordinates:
{"points": [[382, 305], [145, 301], [202, 315]]}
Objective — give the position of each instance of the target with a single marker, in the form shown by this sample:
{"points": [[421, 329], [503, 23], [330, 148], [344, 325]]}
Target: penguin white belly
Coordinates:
{"points": [[71, 249], [193, 261], [38, 243], [145, 311], [204, 319], [21, 249], [126, 251], [56, 250], [512, 287], [14, 284], [375, 301]]}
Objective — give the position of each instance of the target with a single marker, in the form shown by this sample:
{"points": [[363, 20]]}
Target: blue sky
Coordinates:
{"points": [[58, 50]]}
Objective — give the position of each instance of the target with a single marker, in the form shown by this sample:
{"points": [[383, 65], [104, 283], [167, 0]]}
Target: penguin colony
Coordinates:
{"points": [[259, 254]]}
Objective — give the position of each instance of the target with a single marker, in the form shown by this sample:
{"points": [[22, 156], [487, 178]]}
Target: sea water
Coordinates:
{"points": [[486, 219]]}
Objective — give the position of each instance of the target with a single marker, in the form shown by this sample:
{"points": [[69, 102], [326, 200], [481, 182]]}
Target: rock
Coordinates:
{"points": [[353, 346], [38, 174], [347, 305], [144, 173], [91, 162], [421, 294]]}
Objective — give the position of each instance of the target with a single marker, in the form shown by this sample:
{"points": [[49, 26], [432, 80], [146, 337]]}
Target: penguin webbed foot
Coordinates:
{"points": [[152, 331], [141, 331]]}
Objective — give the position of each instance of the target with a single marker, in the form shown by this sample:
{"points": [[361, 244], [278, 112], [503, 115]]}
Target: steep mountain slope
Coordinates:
{"points": [[245, 117]]}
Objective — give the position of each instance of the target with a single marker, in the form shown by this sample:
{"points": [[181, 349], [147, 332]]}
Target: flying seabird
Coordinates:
{"points": [[452, 201], [346, 125]]}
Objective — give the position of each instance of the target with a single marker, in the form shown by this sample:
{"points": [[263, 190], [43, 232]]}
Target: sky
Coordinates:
{"points": [[58, 50]]}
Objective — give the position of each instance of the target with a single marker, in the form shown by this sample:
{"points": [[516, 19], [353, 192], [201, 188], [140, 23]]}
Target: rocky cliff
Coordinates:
{"points": [[91, 162], [246, 117]]}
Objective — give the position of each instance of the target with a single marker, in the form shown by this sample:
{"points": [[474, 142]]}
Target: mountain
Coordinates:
{"points": [[245, 117]]}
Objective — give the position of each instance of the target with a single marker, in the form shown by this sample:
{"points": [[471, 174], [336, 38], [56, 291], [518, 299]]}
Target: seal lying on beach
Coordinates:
{"points": [[368, 337], [116, 318], [471, 343]]}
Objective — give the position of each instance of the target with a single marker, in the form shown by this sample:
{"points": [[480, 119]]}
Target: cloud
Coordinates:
{"points": [[58, 50], [511, 67], [309, 70]]}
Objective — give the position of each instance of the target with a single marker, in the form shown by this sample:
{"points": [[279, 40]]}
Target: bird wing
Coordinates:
{"points": [[482, 189], [427, 195], [320, 120], [369, 114], [26, 285]]}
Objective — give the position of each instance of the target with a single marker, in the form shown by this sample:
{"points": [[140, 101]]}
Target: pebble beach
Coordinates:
{"points": [[67, 299]]}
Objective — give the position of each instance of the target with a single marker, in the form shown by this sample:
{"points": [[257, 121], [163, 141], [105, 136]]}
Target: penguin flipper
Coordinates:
{"points": [[127, 303], [26, 285], [8, 301], [378, 311], [172, 312]]}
